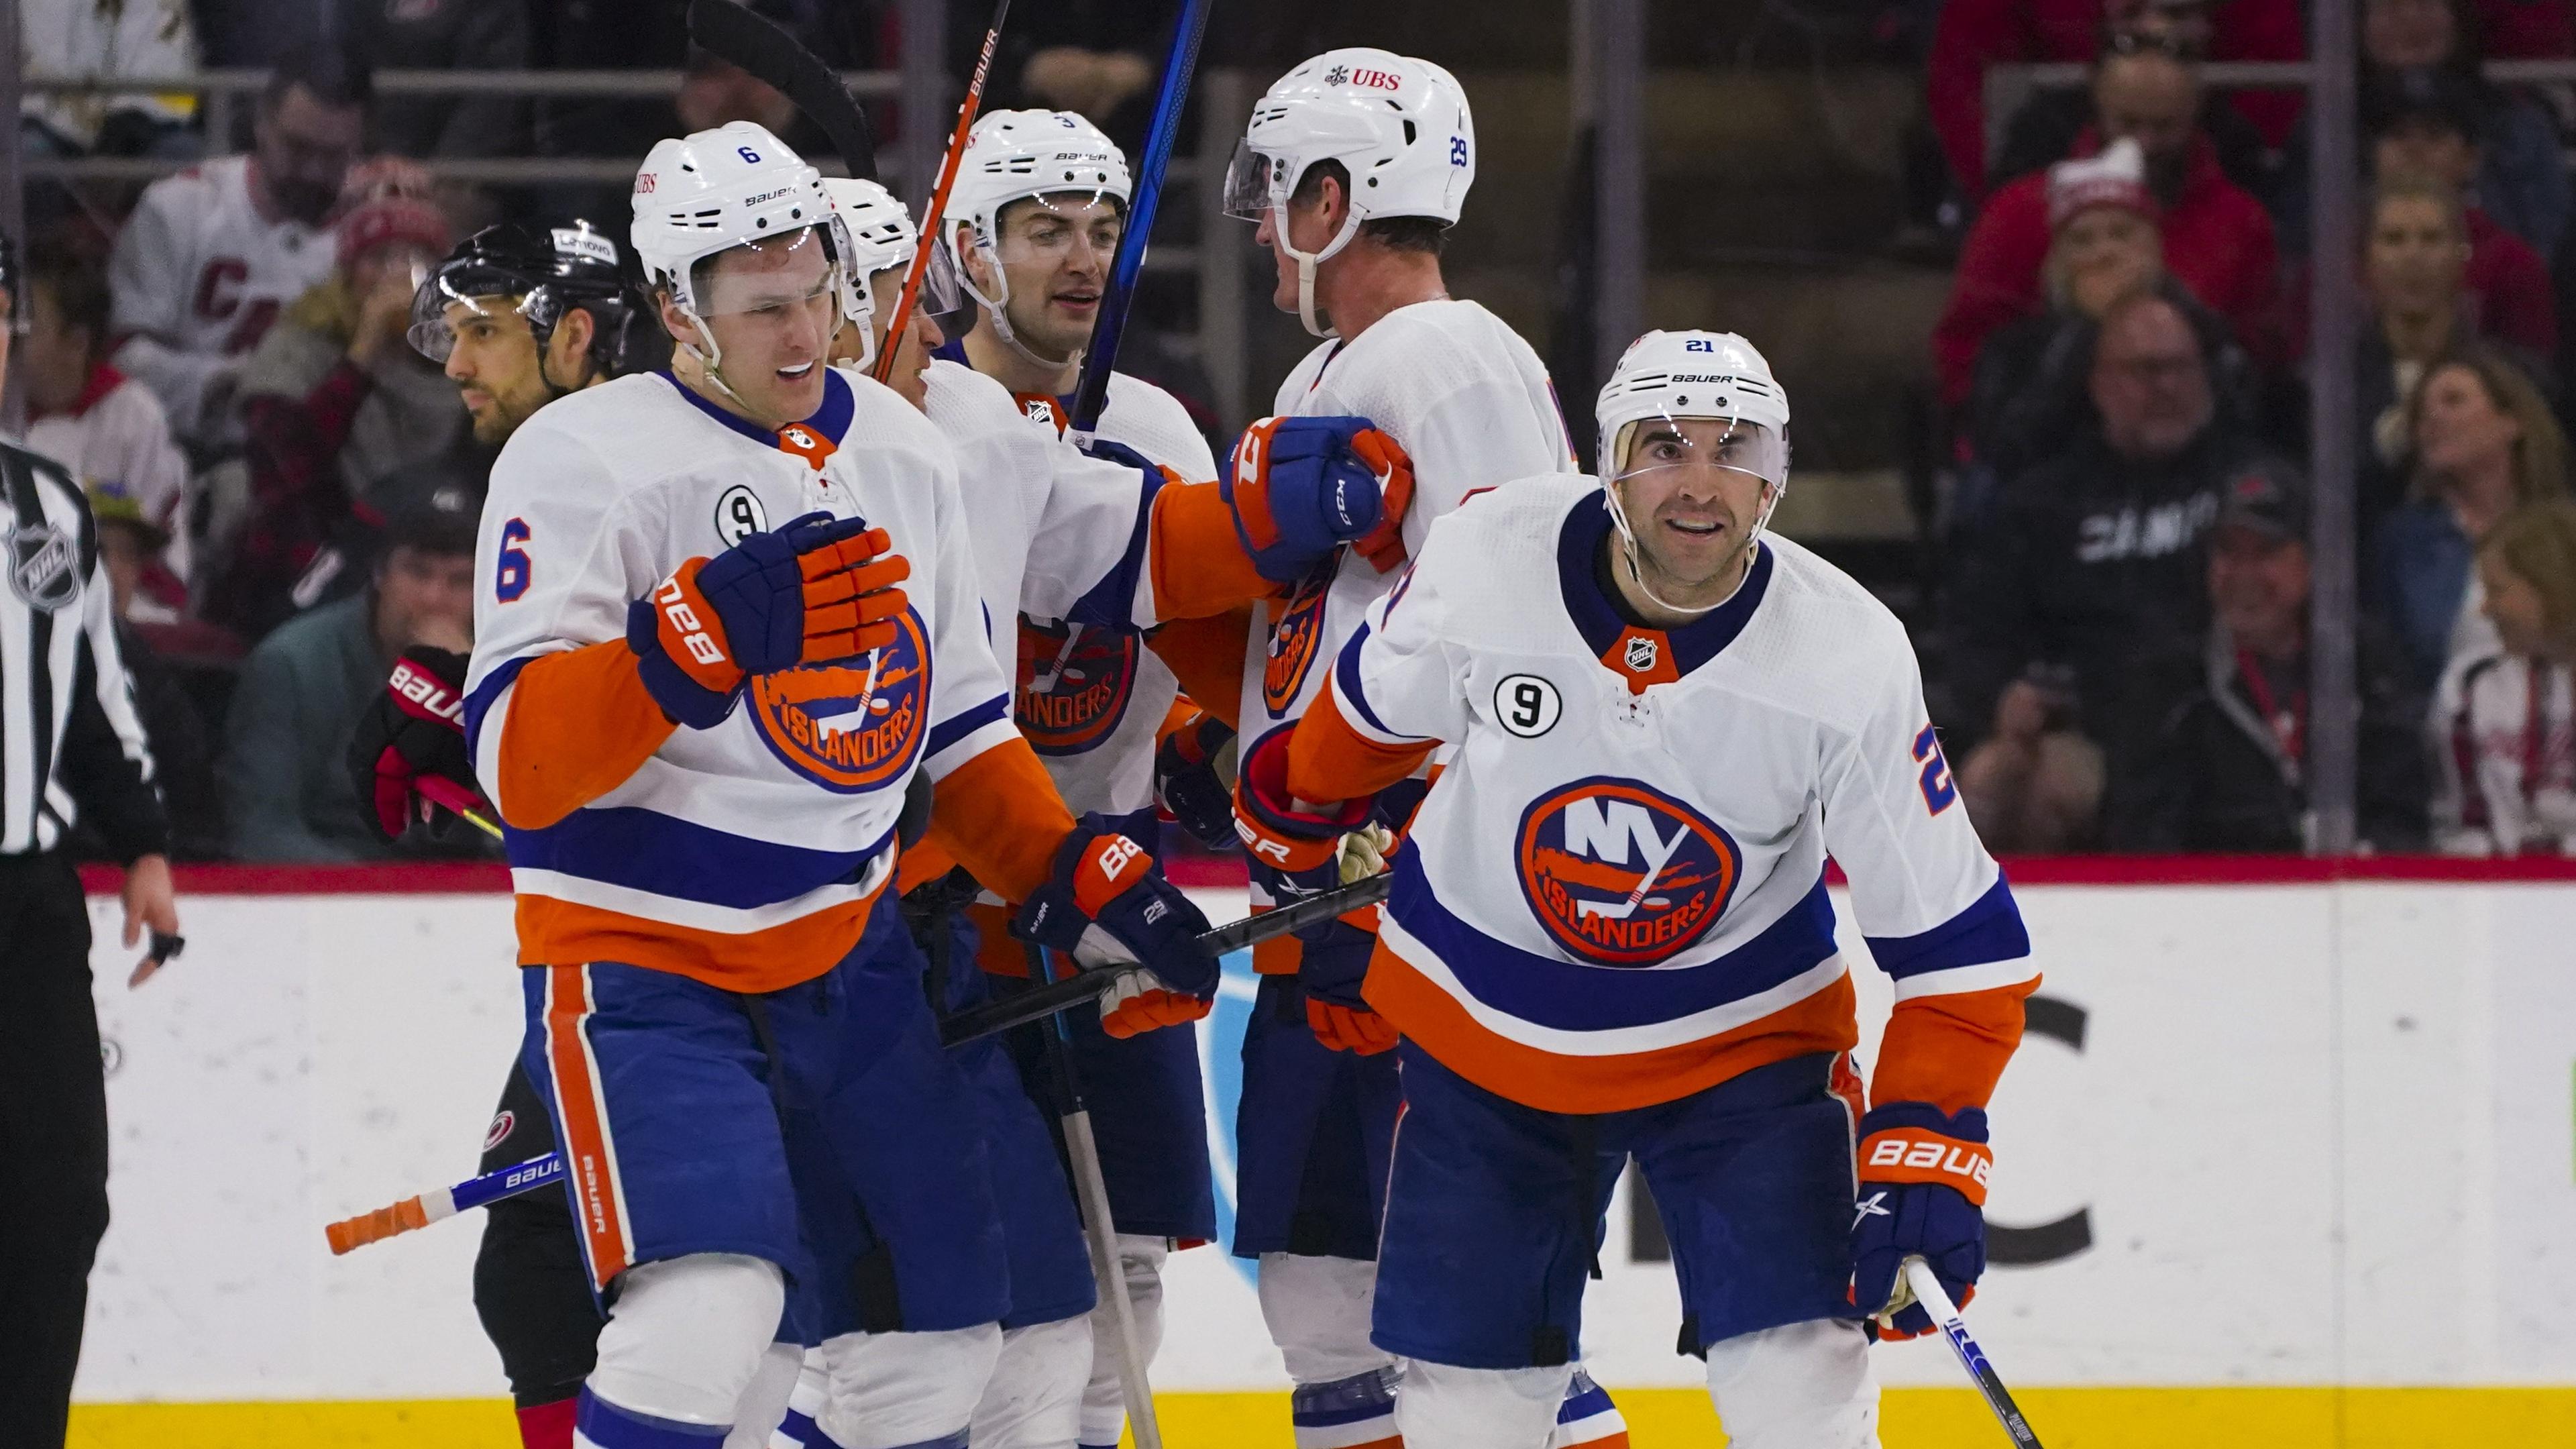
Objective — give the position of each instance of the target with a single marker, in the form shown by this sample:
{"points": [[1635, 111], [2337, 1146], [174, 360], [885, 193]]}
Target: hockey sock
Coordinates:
{"points": [[600, 1424], [548, 1426], [1588, 1418], [1353, 1413]]}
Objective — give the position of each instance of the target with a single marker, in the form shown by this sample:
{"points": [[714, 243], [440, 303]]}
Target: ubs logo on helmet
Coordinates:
{"points": [[1074, 684], [850, 726], [1293, 642], [1622, 874]]}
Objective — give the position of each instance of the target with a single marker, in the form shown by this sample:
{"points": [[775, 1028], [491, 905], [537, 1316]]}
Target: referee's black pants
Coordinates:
{"points": [[53, 1144]]}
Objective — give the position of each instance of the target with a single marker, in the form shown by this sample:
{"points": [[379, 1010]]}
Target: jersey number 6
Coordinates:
{"points": [[1939, 793], [510, 580]]}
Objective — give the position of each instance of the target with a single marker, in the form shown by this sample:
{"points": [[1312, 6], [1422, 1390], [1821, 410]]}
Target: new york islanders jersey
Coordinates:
{"points": [[1472, 405], [1614, 895], [745, 855], [198, 275]]}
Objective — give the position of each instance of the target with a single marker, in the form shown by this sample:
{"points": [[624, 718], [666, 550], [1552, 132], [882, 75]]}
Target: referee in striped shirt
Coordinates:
{"points": [[71, 750]]}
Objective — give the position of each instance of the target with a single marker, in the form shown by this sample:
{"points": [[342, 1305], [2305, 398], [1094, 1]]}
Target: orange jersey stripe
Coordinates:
{"points": [[1551, 1082], [1328, 760], [1000, 816], [590, 1157], [580, 725], [1949, 1050], [924, 863], [1206, 656], [1197, 564], [772, 959]]}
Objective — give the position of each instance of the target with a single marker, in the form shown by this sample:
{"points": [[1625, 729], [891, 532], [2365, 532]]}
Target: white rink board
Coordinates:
{"points": [[2320, 1133]]}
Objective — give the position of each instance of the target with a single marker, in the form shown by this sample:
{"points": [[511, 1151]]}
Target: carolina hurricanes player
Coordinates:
{"points": [[1609, 935], [730, 614], [1355, 165]]}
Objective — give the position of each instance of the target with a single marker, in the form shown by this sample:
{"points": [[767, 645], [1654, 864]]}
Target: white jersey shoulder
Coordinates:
{"points": [[1154, 423]]}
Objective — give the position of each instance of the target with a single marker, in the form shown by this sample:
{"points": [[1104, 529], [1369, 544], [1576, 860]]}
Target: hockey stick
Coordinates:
{"points": [[1945, 1316], [1044, 1001], [734, 33], [1099, 1229], [1091, 392], [444, 1202], [935, 214]]}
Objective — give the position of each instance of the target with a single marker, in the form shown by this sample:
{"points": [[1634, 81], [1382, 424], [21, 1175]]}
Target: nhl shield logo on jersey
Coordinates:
{"points": [[1622, 874], [44, 566], [1294, 637], [853, 725], [1074, 684]]}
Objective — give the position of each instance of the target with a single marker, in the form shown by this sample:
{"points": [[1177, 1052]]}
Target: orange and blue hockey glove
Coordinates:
{"points": [[1107, 905], [1300, 488], [1922, 1195], [816, 590], [1298, 850]]}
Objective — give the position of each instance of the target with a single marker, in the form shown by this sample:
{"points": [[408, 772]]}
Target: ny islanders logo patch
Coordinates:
{"points": [[1293, 641], [853, 725], [1074, 684], [1622, 874]]}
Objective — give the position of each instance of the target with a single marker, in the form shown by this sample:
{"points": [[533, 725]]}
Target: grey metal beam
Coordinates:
{"points": [[1615, 91], [13, 208], [2333, 442], [928, 97]]}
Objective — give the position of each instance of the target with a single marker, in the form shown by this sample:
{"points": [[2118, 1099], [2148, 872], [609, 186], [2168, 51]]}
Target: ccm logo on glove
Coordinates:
{"points": [[1917, 1156]]}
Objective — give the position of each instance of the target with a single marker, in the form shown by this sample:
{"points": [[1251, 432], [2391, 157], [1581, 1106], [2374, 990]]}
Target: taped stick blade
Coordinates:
{"points": [[733, 33]]}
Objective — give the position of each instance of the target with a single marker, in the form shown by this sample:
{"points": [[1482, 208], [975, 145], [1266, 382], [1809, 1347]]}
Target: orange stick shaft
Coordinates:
{"points": [[931, 219]]}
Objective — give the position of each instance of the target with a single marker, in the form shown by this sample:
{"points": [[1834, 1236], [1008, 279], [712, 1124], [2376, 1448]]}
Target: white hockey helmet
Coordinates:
{"points": [[1015, 156], [736, 185], [1398, 125], [1710, 376], [882, 235]]}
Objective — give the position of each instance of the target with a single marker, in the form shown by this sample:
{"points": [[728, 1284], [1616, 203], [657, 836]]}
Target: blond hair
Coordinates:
{"points": [[2536, 543], [2539, 455]]}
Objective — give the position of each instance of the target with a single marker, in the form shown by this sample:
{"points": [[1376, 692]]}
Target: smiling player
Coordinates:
{"points": [[1609, 935]]}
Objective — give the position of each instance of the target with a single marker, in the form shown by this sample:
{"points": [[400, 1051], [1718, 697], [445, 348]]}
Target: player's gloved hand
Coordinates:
{"points": [[1922, 1194], [1335, 961], [409, 749], [1194, 778], [1105, 904], [818, 589], [1302, 487]]}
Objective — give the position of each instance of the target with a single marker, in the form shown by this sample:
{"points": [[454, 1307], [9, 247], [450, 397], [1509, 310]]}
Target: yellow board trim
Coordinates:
{"points": [[2265, 1418]]}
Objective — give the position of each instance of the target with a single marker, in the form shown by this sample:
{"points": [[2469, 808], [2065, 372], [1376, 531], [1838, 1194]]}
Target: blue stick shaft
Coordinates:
{"points": [[491, 1187], [1091, 392]]}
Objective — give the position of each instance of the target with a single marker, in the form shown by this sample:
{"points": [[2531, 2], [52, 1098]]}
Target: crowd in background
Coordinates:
{"points": [[2118, 651]]}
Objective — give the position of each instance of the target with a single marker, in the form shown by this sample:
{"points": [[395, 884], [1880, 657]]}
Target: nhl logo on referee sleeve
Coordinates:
{"points": [[44, 566]]}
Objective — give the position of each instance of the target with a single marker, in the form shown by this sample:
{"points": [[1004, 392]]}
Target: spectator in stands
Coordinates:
{"points": [[2415, 270], [2094, 560], [2481, 442], [2504, 720], [183, 753], [2227, 769], [213, 254], [119, 41], [2034, 786], [2522, 175], [1974, 34], [285, 770], [108, 429], [2425, 127], [335, 399], [2217, 238], [2044, 128], [446, 35], [2034, 373]]}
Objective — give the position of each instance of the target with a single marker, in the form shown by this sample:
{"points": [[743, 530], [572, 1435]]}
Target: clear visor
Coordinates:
{"points": [[940, 292], [434, 324], [771, 277], [1247, 183], [1656, 444]]}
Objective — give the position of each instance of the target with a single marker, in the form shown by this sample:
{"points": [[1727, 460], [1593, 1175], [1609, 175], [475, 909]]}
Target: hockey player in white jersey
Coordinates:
{"points": [[730, 614], [1354, 165], [1609, 934]]}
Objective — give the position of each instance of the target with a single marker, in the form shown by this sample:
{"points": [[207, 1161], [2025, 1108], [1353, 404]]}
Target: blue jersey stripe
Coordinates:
{"points": [[647, 850], [1346, 673], [965, 722], [479, 702], [1990, 929], [1565, 996]]}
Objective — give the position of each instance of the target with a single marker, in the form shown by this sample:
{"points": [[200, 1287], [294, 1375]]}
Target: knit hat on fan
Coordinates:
{"points": [[2114, 176], [384, 201]]}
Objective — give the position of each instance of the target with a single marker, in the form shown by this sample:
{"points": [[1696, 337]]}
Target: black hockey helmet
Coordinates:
{"points": [[545, 272]]}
